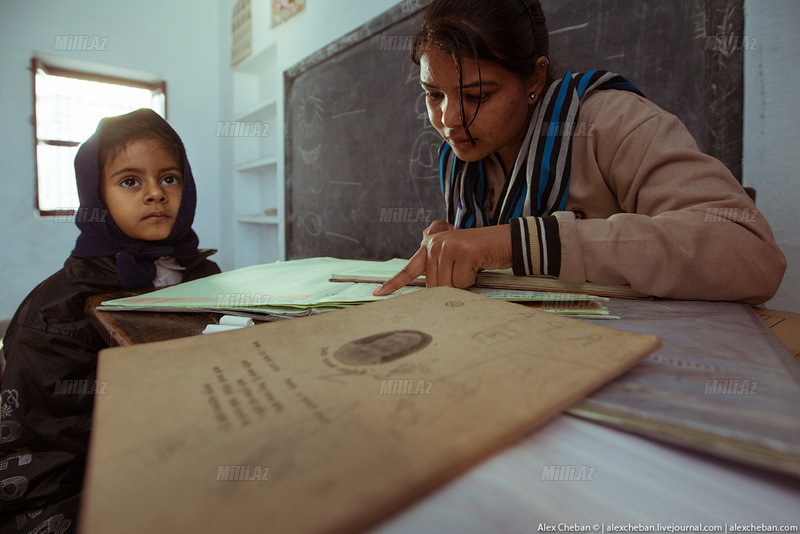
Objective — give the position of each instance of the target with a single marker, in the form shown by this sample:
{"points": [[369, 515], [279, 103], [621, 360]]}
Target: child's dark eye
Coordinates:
{"points": [[129, 182], [170, 180], [433, 96]]}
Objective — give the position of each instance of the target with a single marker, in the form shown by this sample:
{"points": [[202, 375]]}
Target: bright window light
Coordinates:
{"points": [[68, 106]]}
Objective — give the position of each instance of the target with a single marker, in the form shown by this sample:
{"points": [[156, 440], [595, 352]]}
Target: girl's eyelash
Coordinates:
{"points": [[474, 98]]}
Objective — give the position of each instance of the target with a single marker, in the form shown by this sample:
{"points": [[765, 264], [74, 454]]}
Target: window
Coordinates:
{"points": [[68, 104]]}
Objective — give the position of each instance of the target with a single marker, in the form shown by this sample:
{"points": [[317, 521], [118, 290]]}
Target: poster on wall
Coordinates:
{"points": [[241, 32], [283, 9]]}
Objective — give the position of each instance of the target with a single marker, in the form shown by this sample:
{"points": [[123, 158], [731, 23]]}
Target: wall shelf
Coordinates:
{"points": [[265, 108], [254, 144], [256, 164], [259, 219], [259, 62]]}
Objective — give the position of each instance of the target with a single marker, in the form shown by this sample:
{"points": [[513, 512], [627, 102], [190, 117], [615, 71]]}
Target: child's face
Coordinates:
{"points": [[141, 187]]}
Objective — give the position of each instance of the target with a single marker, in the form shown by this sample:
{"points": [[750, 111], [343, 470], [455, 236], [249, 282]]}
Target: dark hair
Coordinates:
{"points": [[143, 124], [511, 33]]}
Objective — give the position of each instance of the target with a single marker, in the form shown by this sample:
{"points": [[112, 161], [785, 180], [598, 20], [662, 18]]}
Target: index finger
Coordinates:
{"points": [[414, 268]]}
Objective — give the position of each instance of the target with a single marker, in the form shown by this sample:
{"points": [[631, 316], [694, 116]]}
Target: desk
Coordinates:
{"points": [[785, 325], [129, 328], [635, 479]]}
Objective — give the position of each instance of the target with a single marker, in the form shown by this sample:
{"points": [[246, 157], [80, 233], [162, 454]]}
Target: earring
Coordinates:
{"points": [[533, 96]]}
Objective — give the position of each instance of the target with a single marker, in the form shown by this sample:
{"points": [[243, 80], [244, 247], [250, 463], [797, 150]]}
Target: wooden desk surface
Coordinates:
{"points": [[129, 328]]}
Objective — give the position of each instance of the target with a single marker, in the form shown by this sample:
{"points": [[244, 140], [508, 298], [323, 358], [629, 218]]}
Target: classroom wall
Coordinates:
{"points": [[772, 128], [161, 37]]}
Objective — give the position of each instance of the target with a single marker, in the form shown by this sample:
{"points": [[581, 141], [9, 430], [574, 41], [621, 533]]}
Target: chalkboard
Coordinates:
{"points": [[361, 175]]}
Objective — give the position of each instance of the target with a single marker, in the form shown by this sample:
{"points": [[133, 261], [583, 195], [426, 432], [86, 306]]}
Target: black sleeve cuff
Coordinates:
{"points": [[535, 246]]}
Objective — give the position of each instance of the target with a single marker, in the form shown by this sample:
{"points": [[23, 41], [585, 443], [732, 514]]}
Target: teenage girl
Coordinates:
{"points": [[579, 177]]}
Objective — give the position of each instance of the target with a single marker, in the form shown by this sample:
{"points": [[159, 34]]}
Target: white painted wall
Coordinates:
{"points": [[772, 129], [177, 40]]}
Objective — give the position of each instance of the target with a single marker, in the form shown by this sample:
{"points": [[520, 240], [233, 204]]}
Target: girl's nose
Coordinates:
{"points": [[451, 113], [155, 193]]}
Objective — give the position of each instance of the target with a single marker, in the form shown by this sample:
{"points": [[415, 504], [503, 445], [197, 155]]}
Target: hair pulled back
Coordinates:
{"points": [[510, 33]]}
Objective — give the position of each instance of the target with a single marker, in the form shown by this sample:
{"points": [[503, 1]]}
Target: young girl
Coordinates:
{"points": [[137, 203], [580, 177]]}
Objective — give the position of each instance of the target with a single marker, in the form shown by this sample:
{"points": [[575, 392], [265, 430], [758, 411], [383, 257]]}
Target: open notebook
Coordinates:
{"points": [[333, 422]]}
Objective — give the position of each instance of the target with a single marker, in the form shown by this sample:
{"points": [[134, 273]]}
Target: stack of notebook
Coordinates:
{"points": [[315, 285]]}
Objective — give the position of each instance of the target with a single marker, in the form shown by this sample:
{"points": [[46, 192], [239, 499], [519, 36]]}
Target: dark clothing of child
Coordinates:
{"points": [[48, 390]]}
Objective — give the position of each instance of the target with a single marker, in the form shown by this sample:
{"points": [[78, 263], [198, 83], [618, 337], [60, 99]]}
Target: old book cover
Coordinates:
{"points": [[721, 383], [333, 422]]}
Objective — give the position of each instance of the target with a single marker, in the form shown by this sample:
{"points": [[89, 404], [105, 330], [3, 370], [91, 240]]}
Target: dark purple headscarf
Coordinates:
{"points": [[100, 236]]}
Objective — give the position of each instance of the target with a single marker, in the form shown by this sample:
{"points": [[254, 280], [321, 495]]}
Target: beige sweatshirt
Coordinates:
{"points": [[661, 216]]}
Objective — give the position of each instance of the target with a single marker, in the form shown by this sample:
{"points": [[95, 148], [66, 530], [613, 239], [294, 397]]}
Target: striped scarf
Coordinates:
{"points": [[543, 188]]}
